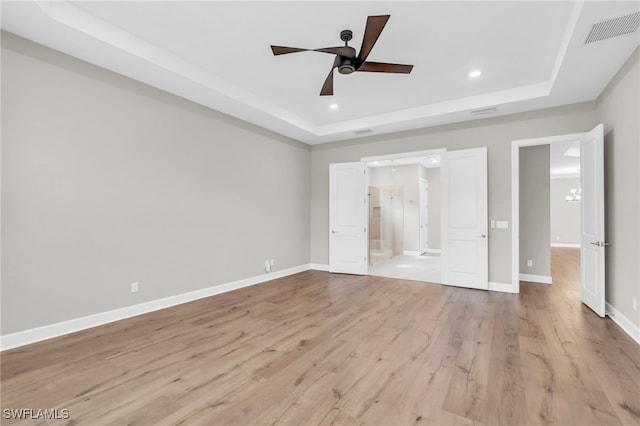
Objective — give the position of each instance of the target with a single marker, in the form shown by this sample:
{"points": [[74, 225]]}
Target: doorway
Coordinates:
{"points": [[578, 166], [401, 244], [464, 253], [550, 211]]}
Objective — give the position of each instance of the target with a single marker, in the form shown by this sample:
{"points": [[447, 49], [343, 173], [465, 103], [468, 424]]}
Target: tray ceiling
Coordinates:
{"points": [[531, 54]]}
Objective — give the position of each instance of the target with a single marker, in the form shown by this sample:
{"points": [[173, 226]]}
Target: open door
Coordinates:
{"points": [[465, 251], [592, 251], [424, 197], [347, 214]]}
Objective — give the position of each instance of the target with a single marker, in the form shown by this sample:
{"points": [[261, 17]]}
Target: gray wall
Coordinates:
{"points": [[494, 133], [535, 210], [106, 181], [618, 110], [565, 216], [433, 176]]}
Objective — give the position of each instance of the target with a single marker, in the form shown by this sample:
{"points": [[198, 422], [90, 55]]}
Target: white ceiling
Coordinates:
{"points": [[532, 55], [565, 159]]}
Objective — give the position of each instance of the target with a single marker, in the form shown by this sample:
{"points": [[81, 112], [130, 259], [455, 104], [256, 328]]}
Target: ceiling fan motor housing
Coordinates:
{"points": [[346, 35], [346, 66]]}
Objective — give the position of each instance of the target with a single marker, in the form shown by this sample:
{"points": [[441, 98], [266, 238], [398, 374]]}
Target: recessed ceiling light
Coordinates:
{"points": [[475, 73], [333, 106]]}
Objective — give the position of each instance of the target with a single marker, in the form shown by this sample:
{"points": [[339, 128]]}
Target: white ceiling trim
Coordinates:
{"points": [[84, 22], [90, 25], [76, 31], [440, 108], [566, 40]]}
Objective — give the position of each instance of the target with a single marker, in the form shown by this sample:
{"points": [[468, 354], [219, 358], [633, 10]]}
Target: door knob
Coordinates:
{"points": [[333, 232], [483, 236], [595, 243]]}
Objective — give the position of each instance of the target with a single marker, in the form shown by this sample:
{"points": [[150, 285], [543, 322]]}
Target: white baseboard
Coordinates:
{"points": [[565, 245], [542, 279], [625, 323], [50, 331], [435, 251], [319, 267], [411, 253], [503, 287]]}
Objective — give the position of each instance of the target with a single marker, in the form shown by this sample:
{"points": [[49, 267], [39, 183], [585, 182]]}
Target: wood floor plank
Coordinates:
{"points": [[320, 348]]}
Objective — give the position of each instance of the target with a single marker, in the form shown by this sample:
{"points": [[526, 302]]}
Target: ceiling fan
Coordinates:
{"points": [[346, 60]]}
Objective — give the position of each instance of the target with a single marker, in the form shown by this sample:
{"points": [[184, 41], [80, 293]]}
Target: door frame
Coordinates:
{"points": [[397, 156], [515, 195]]}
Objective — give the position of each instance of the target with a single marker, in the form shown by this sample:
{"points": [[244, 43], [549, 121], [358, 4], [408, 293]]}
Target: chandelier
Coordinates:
{"points": [[575, 195]]}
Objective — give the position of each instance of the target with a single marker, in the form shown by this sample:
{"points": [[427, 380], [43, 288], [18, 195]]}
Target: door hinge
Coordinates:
{"points": [[365, 229]]}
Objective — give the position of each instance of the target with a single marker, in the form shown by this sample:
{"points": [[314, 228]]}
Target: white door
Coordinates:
{"points": [[347, 213], [592, 211], [465, 251], [424, 197]]}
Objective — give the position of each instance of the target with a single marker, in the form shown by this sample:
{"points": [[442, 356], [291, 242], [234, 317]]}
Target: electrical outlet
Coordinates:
{"points": [[134, 287], [557, 237], [272, 263], [530, 263], [635, 304], [267, 266]]}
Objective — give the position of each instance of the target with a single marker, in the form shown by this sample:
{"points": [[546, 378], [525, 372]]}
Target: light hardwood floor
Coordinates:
{"points": [[316, 348]]}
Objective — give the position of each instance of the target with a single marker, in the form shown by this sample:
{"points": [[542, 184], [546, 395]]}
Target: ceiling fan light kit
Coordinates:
{"points": [[346, 60]]}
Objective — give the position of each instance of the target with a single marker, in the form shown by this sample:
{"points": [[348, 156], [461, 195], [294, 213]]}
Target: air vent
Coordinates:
{"points": [[483, 111], [614, 27], [363, 131]]}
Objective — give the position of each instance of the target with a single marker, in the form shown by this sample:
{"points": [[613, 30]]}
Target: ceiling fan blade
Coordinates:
{"points": [[344, 51], [327, 87], [375, 25], [283, 50], [384, 67]]}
